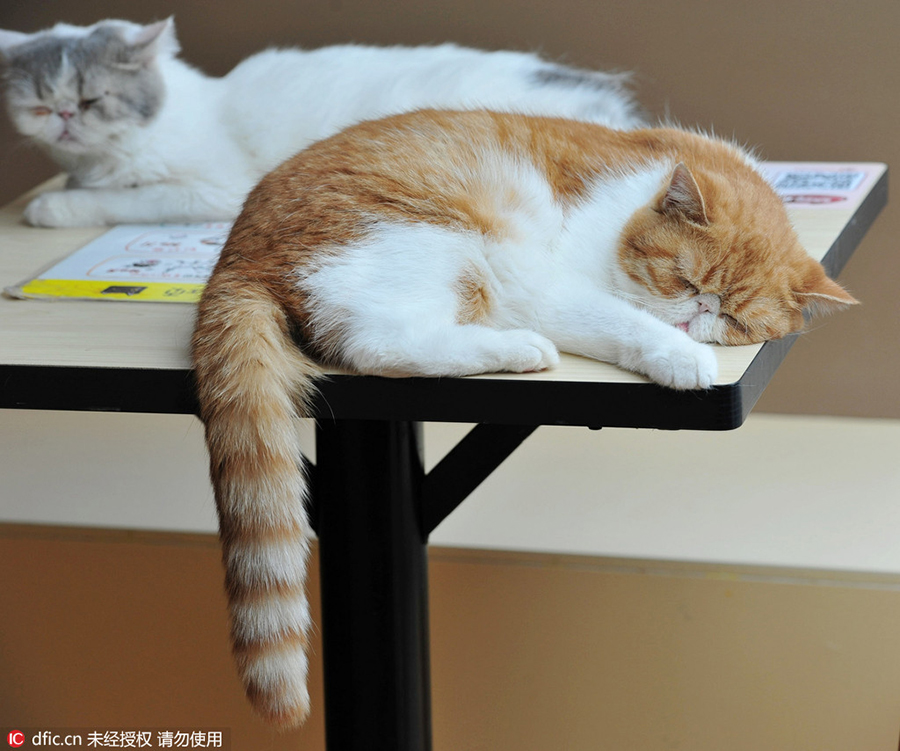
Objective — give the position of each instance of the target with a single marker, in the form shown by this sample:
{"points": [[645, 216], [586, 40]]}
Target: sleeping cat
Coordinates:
{"points": [[146, 138], [453, 243]]}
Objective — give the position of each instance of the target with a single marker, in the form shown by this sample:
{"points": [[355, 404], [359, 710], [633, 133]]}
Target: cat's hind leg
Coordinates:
{"points": [[435, 349], [390, 305]]}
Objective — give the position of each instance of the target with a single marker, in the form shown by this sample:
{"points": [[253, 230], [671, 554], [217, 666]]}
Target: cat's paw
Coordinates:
{"points": [[684, 364], [523, 351], [62, 208]]}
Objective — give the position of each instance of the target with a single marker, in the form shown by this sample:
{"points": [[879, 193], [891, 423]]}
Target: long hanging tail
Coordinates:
{"points": [[253, 382]]}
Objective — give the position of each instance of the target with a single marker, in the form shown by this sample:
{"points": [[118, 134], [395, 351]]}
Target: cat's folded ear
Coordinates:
{"points": [[819, 294], [10, 39], [682, 197], [148, 42]]}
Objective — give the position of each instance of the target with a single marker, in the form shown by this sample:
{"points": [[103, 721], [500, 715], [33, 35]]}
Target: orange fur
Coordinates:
{"points": [[475, 300]]}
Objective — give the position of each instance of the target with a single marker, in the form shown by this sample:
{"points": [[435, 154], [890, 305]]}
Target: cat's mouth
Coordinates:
{"points": [[697, 328], [67, 140], [700, 328]]}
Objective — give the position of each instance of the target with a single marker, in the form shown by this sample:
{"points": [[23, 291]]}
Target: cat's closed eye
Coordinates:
{"points": [[41, 111], [86, 104], [688, 287]]}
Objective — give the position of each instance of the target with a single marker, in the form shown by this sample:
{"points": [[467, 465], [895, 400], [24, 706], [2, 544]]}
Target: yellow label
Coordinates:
{"points": [[106, 290]]}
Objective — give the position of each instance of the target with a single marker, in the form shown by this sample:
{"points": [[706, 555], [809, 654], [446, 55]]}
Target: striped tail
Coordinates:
{"points": [[253, 383]]}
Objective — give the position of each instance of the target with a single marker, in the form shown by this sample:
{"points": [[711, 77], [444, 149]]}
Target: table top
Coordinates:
{"points": [[131, 356]]}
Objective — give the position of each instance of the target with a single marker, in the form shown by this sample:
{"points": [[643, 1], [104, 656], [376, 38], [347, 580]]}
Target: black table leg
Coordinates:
{"points": [[374, 586]]}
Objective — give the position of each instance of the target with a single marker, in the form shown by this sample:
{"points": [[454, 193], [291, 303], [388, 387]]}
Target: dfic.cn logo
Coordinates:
{"points": [[16, 738]]}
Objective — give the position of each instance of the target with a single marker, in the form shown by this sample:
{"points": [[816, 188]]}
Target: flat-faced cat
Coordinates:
{"points": [[145, 137], [447, 244]]}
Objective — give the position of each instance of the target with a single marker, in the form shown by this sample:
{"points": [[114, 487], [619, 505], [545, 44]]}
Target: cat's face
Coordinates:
{"points": [[723, 263], [75, 90]]}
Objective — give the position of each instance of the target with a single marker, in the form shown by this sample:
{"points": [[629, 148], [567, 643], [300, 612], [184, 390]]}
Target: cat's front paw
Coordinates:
{"points": [[685, 364], [62, 208]]}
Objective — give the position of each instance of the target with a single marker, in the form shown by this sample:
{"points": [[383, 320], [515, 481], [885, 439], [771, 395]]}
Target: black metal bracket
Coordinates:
{"points": [[465, 467]]}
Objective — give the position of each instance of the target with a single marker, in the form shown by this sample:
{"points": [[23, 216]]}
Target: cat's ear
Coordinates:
{"points": [[148, 42], [682, 197], [819, 294], [11, 39]]}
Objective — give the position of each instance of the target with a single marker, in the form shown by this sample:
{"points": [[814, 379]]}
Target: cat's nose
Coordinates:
{"points": [[707, 304], [66, 115]]}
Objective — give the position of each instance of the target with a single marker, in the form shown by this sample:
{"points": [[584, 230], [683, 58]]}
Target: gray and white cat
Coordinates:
{"points": [[144, 137]]}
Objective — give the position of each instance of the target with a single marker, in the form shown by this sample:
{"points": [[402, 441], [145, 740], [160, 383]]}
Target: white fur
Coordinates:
{"points": [[273, 617], [215, 137], [261, 507], [553, 282], [269, 564], [281, 675]]}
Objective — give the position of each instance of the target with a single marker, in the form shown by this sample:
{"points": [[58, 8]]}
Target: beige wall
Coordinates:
{"points": [[802, 79], [529, 653]]}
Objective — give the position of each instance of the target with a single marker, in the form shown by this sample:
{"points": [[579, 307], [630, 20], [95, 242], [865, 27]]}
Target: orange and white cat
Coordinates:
{"points": [[447, 244]]}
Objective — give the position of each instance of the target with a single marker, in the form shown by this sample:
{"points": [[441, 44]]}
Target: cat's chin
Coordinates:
{"points": [[696, 329], [69, 142], [69, 146]]}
